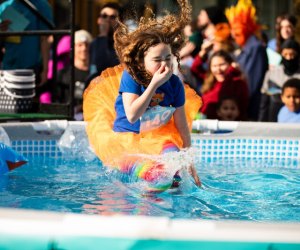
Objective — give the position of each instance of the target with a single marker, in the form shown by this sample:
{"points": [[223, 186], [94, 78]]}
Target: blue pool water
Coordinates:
{"points": [[242, 190]]}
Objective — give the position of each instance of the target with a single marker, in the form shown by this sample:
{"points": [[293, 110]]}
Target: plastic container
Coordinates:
{"points": [[17, 88]]}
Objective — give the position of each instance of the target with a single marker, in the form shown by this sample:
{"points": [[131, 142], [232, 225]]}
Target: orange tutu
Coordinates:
{"points": [[99, 113]]}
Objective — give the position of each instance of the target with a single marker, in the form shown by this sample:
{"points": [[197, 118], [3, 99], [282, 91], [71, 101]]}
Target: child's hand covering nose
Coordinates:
{"points": [[162, 75]]}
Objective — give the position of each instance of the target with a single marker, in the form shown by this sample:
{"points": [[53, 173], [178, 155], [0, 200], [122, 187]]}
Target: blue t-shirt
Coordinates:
{"points": [[169, 94], [286, 116]]}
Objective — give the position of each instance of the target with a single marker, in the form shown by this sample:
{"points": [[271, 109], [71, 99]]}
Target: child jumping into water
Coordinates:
{"points": [[153, 109]]}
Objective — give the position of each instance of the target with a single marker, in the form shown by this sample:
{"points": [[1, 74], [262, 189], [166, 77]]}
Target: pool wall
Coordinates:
{"points": [[20, 229], [26, 229], [248, 140]]}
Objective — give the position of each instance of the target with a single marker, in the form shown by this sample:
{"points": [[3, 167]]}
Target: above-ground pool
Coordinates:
{"points": [[250, 175]]}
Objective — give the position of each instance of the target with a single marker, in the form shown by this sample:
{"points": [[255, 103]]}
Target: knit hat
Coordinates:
{"points": [[290, 44], [215, 14], [82, 36]]}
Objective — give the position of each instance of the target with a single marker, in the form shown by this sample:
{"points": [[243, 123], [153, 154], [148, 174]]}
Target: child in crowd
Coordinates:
{"points": [[290, 96], [228, 109], [150, 105], [270, 102]]}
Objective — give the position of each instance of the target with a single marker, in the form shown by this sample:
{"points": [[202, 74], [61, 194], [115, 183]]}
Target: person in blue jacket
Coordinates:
{"points": [[251, 56]]}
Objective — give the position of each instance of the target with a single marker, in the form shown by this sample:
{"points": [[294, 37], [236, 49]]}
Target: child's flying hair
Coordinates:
{"points": [[131, 46]]}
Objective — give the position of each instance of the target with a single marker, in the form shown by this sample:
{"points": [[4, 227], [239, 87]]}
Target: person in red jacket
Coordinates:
{"points": [[223, 79], [221, 40]]}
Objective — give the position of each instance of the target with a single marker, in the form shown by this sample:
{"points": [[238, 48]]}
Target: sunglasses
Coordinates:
{"points": [[105, 16]]}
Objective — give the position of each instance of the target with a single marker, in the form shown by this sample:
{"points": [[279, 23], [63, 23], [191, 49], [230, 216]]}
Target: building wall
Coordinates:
{"points": [[296, 10], [87, 10]]}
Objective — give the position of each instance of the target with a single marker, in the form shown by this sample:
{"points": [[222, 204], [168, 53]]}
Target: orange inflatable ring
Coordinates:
{"points": [[99, 113]]}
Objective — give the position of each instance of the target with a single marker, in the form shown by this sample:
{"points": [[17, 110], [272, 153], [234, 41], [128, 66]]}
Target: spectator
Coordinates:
{"points": [[290, 96], [193, 43], [222, 41], [82, 42], [223, 80], [184, 73], [207, 19], [63, 50], [27, 52], [285, 29], [102, 52], [270, 103], [251, 57], [228, 109]]}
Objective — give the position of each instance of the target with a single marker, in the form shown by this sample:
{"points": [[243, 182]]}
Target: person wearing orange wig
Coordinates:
{"points": [[252, 58]]}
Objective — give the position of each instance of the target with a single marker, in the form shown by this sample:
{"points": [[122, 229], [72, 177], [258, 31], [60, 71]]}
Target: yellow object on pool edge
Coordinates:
{"points": [[99, 113]]}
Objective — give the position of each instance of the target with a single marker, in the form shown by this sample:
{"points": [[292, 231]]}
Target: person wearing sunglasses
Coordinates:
{"points": [[102, 52]]}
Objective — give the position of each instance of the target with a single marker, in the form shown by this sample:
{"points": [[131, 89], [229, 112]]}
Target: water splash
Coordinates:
{"points": [[158, 171], [74, 144], [173, 161], [4, 137]]}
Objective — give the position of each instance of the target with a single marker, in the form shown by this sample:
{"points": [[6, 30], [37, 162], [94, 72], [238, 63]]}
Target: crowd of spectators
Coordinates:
{"points": [[239, 71]]}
